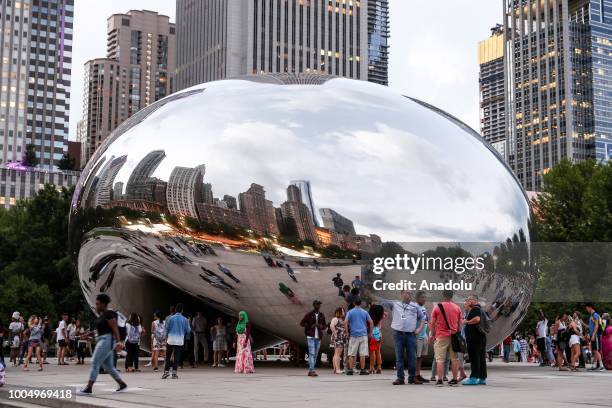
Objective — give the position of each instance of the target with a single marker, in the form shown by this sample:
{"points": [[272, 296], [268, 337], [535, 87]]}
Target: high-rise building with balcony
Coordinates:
{"points": [[559, 93], [137, 71], [35, 61], [184, 190], [378, 41], [492, 90], [219, 39]]}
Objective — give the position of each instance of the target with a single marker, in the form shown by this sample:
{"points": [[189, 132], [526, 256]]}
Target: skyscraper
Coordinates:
{"points": [[259, 212], [558, 90], [378, 41], [299, 215], [141, 184], [105, 186], [137, 71], [336, 222], [306, 193], [184, 190], [35, 61], [219, 39], [492, 89]]}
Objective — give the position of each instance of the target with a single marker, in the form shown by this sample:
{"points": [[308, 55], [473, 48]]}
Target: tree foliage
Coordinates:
{"points": [[34, 255]]}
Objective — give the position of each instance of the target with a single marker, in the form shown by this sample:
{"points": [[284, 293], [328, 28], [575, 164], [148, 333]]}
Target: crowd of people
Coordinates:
{"points": [[569, 343], [355, 336]]}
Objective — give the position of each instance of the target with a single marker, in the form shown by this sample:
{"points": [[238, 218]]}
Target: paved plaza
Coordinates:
{"points": [[279, 385]]}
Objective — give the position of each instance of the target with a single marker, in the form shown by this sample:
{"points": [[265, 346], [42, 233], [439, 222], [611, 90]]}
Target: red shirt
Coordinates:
{"points": [[453, 314]]}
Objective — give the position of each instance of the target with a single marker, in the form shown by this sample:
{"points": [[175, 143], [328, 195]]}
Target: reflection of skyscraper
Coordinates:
{"points": [[295, 210], [336, 222], [184, 189], [230, 201], [118, 191], [207, 194], [304, 186], [104, 189], [140, 184], [259, 211]]}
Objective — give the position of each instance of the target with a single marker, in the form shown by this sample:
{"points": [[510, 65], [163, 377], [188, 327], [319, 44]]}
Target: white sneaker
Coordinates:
{"points": [[148, 364], [221, 365]]}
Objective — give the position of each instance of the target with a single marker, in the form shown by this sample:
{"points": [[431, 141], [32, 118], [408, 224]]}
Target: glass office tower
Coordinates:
{"points": [[559, 95]]}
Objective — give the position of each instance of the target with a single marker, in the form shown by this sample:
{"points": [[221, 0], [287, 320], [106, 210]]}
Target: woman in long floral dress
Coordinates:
{"points": [[244, 356]]}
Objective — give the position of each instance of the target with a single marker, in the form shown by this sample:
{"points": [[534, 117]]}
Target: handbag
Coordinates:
{"points": [[457, 340]]}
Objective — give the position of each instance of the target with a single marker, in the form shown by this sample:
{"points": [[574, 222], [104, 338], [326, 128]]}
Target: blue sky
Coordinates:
{"points": [[433, 48]]}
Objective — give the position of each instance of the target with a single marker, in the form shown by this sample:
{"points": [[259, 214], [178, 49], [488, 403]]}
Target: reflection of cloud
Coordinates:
{"points": [[394, 167]]}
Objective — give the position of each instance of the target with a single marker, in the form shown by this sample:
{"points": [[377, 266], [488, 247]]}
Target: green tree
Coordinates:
{"points": [[34, 247], [576, 203], [29, 158], [19, 293], [66, 162], [574, 208]]}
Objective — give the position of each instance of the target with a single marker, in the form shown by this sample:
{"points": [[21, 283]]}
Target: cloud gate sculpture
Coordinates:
{"points": [[255, 193]]}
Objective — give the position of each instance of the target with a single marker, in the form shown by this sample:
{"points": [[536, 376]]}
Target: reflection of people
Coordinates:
{"points": [[338, 283], [244, 357], [357, 283], [290, 272]]}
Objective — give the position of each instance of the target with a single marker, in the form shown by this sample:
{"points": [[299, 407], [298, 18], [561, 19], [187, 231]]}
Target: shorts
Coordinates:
{"points": [[422, 347], [442, 347], [596, 344], [45, 346], [61, 343], [34, 344], [157, 345], [374, 345], [358, 345], [574, 339]]}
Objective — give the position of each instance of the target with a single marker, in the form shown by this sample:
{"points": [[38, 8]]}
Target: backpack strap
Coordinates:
{"points": [[444, 316]]}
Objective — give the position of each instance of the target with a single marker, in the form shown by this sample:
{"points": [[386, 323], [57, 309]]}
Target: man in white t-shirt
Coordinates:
{"points": [[62, 335]]}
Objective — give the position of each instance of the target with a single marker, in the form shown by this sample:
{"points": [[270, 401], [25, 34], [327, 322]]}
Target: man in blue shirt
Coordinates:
{"points": [[358, 324], [595, 334], [408, 319], [176, 327]]}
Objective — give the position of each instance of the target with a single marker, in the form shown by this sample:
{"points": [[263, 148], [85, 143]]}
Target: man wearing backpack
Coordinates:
{"points": [[595, 330], [475, 334], [314, 326]]}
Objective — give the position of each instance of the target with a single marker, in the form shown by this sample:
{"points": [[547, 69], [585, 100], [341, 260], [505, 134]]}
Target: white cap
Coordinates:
{"points": [[16, 315]]}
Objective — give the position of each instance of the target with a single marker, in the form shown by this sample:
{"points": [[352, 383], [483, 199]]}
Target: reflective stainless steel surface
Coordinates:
{"points": [[194, 197]]}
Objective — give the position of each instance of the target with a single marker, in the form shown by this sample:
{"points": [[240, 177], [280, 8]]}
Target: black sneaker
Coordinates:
{"points": [[439, 383], [85, 391], [423, 380], [122, 387], [453, 382], [174, 376], [349, 372], [165, 375], [364, 372]]}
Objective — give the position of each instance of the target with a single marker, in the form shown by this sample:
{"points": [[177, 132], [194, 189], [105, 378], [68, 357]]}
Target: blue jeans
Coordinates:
{"points": [[104, 356], [405, 342], [313, 351]]}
